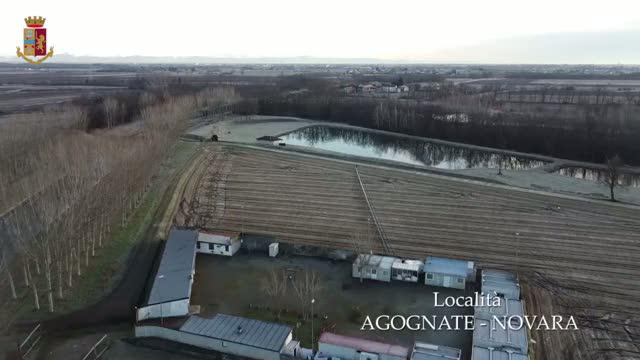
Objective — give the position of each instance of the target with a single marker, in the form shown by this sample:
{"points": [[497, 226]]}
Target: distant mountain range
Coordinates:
{"points": [[560, 48], [614, 47]]}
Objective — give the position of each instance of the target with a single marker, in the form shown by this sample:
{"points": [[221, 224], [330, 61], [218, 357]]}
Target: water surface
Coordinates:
{"points": [[402, 149]]}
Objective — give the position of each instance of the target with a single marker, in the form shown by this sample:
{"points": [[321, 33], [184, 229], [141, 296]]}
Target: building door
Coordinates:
{"points": [[446, 282]]}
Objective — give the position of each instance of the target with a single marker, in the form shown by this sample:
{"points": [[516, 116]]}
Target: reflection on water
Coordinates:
{"points": [[402, 149], [598, 175]]}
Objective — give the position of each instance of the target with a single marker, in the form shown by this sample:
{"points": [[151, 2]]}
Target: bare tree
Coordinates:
{"points": [[363, 243], [306, 287], [4, 266], [111, 108], [275, 288], [613, 175]]}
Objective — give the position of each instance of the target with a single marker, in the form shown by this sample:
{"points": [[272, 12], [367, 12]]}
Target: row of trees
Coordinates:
{"points": [[596, 135], [72, 187]]}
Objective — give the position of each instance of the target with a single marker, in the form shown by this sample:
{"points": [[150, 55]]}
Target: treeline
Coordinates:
{"points": [[66, 185], [599, 134]]}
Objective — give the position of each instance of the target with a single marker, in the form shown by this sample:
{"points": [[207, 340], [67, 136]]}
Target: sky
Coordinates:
{"points": [[395, 30]]}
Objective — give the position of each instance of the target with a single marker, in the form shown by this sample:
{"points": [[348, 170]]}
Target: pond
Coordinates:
{"points": [[599, 175], [403, 149]]}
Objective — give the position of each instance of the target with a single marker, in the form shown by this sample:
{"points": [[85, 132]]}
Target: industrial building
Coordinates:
{"points": [[226, 244], [448, 273], [228, 334], [406, 270], [478, 353], [500, 283], [374, 267], [424, 351], [490, 340], [171, 289], [349, 348]]}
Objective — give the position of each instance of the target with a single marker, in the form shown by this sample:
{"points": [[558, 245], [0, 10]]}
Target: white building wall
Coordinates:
{"points": [[207, 343], [168, 309], [445, 280], [371, 272], [218, 249]]}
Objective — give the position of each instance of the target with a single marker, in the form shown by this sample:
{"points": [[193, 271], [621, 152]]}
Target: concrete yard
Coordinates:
{"points": [[559, 244]]}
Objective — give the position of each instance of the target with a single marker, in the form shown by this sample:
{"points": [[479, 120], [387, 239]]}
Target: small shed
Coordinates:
{"points": [[273, 249], [501, 283], [170, 292], [374, 267], [351, 348], [425, 351], [489, 334], [448, 273], [480, 353], [406, 270], [219, 243]]}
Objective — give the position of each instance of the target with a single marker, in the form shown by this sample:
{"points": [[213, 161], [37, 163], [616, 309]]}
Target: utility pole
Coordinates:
{"points": [[313, 300]]}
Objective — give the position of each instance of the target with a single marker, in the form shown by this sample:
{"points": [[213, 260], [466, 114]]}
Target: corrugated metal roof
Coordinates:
{"points": [[173, 279], [490, 334], [507, 307], [383, 262], [424, 351], [239, 330], [448, 266], [480, 353], [500, 282], [214, 238], [363, 344]]}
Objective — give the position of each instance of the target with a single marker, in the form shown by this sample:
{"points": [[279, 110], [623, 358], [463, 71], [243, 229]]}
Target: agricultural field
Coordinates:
{"points": [[575, 256]]}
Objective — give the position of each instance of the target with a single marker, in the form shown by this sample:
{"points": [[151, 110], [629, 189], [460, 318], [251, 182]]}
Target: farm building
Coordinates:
{"points": [[171, 289], [229, 334], [406, 270], [502, 283], [488, 334], [374, 267], [350, 348], [424, 351], [508, 307], [226, 244], [479, 353], [448, 272]]}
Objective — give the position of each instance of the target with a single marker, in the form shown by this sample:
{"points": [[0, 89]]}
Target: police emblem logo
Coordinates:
{"points": [[35, 41]]}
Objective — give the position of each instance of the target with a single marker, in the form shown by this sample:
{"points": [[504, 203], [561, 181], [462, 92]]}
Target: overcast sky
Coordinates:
{"points": [[399, 29]]}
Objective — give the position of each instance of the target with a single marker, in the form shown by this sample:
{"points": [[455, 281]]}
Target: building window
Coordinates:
{"points": [[198, 245], [430, 276], [210, 246], [226, 248], [373, 271], [459, 280]]}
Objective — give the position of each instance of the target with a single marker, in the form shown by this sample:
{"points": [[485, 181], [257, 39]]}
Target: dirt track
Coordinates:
{"points": [[588, 249]]}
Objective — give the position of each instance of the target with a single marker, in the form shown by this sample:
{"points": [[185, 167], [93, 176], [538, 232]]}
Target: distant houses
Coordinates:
{"points": [[373, 88]]}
